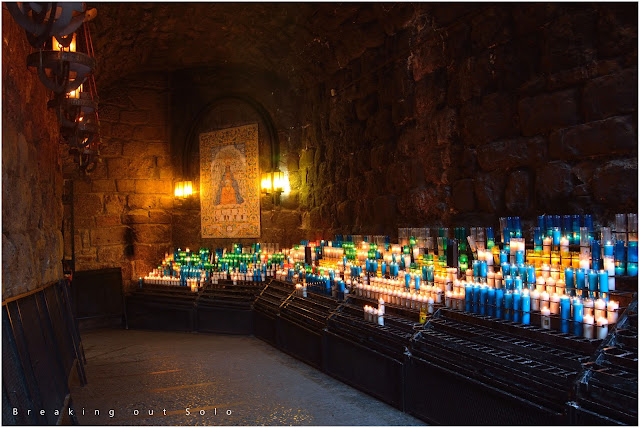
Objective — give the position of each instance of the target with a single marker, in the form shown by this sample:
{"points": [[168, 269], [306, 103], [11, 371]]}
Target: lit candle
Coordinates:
{"points": [[580, 282], [551, 286], [593, 282], [535, 300], [603, 328], [508, 305], [540, 284], [526, 307], [600, 307], [491, 302], [499, 301], [612, 312], [564, 246], [565, 313], [544, 271], [516, 305], [560, 288], [578, 317], [588, 327], [555, 304], [588, 306], [545, 319]]}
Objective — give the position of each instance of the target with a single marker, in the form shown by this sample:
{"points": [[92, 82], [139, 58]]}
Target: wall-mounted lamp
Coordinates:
{"points": [[183, 189], [272, 182]]}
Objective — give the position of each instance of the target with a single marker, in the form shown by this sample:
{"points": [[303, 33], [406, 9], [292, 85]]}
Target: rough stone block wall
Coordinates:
{"points": [[31, 173], [461, 113], [122, 211]]}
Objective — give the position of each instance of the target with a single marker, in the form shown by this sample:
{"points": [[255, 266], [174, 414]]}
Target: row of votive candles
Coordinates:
{"points": [[192, 283], [376, 315], [571, 281], [409, 300], [516, 305]]}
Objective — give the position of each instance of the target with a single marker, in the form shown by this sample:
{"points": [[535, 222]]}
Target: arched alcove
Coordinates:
{"points": [[225, 111]]}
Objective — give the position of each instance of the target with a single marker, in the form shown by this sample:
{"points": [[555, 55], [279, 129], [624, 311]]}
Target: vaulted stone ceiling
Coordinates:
{"points": [[301, 42]]}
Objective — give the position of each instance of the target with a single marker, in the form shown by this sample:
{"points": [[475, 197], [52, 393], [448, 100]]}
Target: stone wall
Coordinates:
{"points": [[451, 114], [463, 113], [122, 211], [124, 214], [31, 173]]}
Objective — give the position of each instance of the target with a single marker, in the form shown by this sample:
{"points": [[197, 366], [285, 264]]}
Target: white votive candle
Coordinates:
{"points": [[555, 304], [612, 311], [603, 328], [535, 300], [588, 326], [545, 318], [551, 286], [600, 306]]}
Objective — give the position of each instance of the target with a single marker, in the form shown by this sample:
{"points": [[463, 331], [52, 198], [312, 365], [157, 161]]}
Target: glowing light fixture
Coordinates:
{"points": [[183, 189], [272, 182]]}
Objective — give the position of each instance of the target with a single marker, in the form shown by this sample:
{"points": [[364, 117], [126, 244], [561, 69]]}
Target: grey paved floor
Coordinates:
{"points": [[158, 372]]}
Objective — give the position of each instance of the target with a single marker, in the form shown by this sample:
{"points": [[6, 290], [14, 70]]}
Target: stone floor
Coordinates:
{"points": [[231, 380]]}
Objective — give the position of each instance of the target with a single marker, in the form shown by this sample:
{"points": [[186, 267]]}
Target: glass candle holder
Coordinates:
{"points": [[632, 226], [621, 227]]}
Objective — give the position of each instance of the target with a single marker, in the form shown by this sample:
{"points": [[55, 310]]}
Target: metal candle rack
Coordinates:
{"points": [[526, 369], [607, 390]]}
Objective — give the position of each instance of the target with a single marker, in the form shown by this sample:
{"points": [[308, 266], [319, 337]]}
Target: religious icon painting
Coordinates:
{"points": [[230, 183]]}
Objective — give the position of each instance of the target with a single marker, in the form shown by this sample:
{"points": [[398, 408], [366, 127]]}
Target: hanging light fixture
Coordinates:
{"points": [[65, 62], [41, 21]]}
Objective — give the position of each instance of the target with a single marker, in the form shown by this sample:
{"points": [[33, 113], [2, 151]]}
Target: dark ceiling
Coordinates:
{"points": [[300, 42]]}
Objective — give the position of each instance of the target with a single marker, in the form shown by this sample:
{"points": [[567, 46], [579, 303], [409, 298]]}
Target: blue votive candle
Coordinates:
{"points": [[537, 237], [491, 302], [522, 271], [531, 274], [578, 312], [565, 313], [499, 301], [603, 283], [526, 308], [417, 280], [476, 298], [569, 283], [504, 266], [593, 283], [632, 252], [476, 268], [620, 268], [468, 297], [556, 236], [608, 248], [483, 299], [483, 269], [508, 305], [504, 257], [519, 257], [407, 280], [516, 305], [517, 281], [580, 282], [620, 252], [508, 282], [632, 269]]}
